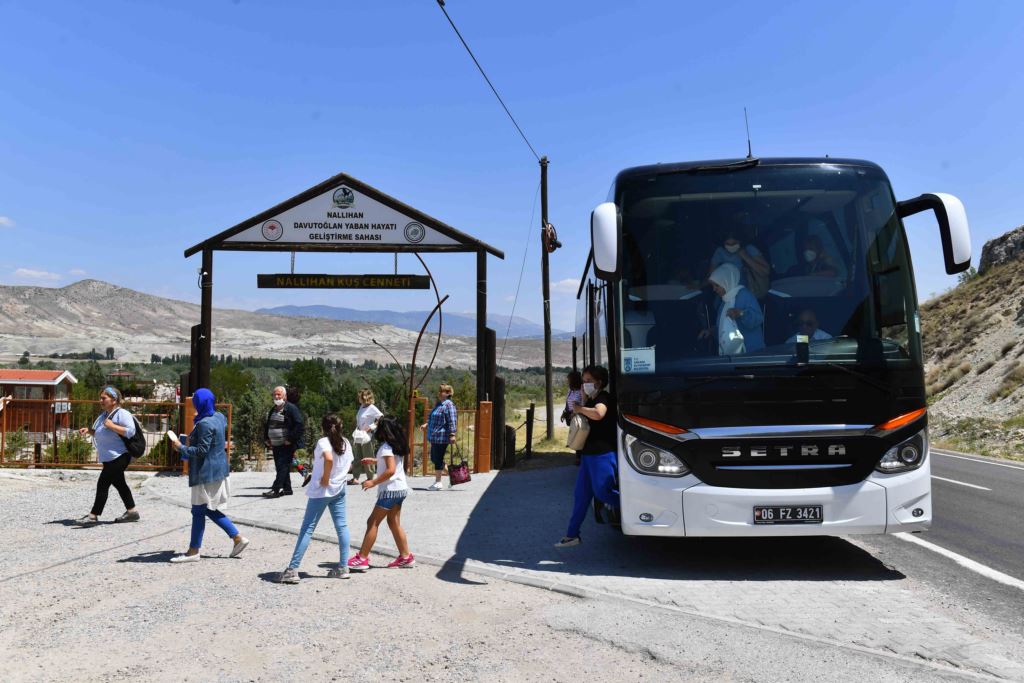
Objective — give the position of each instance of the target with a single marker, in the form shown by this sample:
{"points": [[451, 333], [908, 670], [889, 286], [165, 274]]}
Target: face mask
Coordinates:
{"points": [[589, 389], [278, 402], [810, 255], [732, 248]]}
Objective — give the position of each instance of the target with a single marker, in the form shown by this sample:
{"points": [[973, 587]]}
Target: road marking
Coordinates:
{"points": [[962, 483], [965, 562], [983, 462]]}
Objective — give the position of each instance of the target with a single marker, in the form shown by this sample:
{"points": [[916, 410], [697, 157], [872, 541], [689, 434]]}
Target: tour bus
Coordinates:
{"points": [[812, 420]]}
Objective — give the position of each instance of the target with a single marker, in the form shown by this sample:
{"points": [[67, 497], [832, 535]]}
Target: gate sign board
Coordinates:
{"points": [[345, 216], [324, 281]]}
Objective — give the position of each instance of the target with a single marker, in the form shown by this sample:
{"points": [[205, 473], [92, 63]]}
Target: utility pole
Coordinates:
{"points": [[545, 236]]}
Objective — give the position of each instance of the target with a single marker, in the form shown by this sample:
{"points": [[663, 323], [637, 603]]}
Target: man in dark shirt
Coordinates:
{"points": [[283, 433]]}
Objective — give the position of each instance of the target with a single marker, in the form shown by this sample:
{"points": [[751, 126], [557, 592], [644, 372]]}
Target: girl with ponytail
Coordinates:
{"points": [[332, 460]]}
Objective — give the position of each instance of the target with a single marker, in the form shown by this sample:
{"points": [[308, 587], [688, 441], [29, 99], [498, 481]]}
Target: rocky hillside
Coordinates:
{"points": [[974, 349], [92, 314]]}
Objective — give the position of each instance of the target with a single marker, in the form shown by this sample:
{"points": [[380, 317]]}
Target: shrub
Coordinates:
{"points": [[74, 449], [985, 366], [1013, 379], [15, 441], [1007, 347]]}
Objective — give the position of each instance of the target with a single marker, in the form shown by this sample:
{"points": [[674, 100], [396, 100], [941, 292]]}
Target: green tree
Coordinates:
{"points": [[24, 359], [249, 413], [967, 275], [230, 382], [310, 376], [110, 353]]}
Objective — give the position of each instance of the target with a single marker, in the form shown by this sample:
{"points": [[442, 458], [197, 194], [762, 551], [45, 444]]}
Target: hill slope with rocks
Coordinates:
{"points": [[91, 314]]}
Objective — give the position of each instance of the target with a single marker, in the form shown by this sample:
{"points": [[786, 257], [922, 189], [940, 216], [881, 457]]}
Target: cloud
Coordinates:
{"points": [[6, 222], [38, 275], [568, 286], [78, 272]]}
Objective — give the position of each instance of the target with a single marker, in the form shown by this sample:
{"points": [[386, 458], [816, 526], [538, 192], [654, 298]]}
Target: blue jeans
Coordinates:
{"points": [[596, 478], [199, 515], [314, 510]]}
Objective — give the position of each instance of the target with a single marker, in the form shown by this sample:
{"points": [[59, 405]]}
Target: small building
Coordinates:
{"points": [[40, 399], [120, 375]]}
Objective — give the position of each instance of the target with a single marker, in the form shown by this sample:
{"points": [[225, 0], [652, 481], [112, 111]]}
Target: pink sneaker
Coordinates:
{"points": [[403, 562], [358, 564]]}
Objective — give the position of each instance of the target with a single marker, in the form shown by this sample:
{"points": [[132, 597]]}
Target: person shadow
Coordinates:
{"points": [[152, 557], [523, 513]]}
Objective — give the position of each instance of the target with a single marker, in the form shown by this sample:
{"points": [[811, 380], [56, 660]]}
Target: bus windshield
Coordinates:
{"points": [[723, 272]]}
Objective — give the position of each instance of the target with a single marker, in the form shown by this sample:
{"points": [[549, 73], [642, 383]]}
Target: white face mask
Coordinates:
{"points": [[732, 248], [278, 402], [589, 389], [810, 255]]}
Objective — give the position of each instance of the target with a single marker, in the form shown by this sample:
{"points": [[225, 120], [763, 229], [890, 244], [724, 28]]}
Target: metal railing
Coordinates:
{"points": [[465, 439], [46, 433]]}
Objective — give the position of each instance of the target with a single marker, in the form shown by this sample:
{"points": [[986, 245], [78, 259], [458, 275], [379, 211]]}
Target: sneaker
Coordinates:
{"points": [[132, 516], [568, 541], [436, 486], [239, 547], [87, 520], [358, 564], [403, 562], [271, 494], [339, 573], [289, 575], [178, 559]]}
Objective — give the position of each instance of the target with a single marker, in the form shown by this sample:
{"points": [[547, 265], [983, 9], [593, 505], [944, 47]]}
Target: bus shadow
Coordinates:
{"points": [[522, 514]]}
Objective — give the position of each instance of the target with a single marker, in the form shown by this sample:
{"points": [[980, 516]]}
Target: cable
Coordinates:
{"points": [[440, 3], [522, 268]]}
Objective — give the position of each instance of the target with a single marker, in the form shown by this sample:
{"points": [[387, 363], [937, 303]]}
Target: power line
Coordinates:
{"points": [[522, 268], [440, 3]]}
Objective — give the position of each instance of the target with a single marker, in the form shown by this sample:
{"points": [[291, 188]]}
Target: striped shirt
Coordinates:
{"points": [[442, 423], [276, 431]]}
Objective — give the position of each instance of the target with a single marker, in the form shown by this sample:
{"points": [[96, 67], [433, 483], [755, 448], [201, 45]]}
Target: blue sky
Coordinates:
{"points": [[132, 130]]}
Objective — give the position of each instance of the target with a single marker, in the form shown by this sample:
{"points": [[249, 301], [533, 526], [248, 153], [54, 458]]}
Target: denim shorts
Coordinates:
{"points": [[391, 501], [437, 451]]}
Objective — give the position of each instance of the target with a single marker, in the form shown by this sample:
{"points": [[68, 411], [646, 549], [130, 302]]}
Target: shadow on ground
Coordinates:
{"points": [[522, 515]]}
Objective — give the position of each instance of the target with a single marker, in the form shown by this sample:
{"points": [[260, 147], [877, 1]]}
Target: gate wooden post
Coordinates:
{"points": [[482, 454]]}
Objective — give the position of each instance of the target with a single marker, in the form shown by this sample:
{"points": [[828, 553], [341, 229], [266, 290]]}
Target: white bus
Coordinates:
{"points": [[812, 420]]}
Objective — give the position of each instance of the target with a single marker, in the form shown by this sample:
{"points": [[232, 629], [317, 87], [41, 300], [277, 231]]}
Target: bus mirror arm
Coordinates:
{"points": [[952, 218]]}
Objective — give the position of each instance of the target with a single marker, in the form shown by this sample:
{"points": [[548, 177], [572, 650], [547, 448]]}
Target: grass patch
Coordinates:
{"points": [[987, 365], [1013, 379], [946, 376], [1007, 347]]}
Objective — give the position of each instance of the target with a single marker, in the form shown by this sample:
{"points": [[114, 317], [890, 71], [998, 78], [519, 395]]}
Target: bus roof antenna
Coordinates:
{"points": [[746, 122]]}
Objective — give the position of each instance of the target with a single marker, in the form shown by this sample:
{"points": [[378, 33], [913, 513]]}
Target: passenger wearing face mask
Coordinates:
{"points": [[283, 434], [597, 480], [752, 264], [813, 260]]}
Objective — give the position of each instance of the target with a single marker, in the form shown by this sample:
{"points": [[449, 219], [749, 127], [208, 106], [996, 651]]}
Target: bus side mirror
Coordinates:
{"points": [[952, 218], [604, 238]]}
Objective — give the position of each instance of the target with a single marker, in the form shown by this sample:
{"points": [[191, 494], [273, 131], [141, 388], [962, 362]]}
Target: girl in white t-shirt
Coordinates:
{"points": [[332, 459], [391, 493]]}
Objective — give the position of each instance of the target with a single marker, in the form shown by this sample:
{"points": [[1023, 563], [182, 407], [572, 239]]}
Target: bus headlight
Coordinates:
{"points": [[905, 456], [652, 460]]}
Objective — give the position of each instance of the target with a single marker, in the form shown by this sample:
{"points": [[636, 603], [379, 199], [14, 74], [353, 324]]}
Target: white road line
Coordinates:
{"points": [[965, 562], [983, 462], [962, 483]]}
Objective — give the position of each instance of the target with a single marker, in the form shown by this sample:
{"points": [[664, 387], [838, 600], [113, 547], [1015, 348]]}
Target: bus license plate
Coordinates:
{"points": [[787, 514]]}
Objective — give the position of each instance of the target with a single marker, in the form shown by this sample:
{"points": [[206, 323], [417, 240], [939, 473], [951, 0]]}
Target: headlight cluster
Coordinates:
{"points": [[905, 456], [653, 460]]}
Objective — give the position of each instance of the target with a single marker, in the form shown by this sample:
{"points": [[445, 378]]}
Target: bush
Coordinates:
{"points": [[1013, 379], [15, 441], [74, 449], [985, 366], [1007, 347]]}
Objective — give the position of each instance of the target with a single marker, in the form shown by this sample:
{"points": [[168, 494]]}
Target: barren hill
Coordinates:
{"points": [[92, 314]]}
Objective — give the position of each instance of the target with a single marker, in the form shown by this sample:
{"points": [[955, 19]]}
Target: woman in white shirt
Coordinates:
{"points": [[393, 488], [366, 422], [332, 459]]}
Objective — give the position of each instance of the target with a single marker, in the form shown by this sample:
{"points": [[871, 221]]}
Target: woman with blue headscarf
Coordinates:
{"points": [[208, 475]]}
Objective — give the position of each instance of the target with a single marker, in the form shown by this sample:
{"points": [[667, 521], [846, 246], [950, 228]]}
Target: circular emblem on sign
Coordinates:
{"points": [[272, 230], [415, 232], [343, 198]]}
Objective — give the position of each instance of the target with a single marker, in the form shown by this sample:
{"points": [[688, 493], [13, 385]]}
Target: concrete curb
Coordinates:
{"points": [[556, 586]]}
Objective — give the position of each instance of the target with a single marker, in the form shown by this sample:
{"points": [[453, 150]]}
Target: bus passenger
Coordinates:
{"points": [[748, 258], [740, 307], [807, 324]]}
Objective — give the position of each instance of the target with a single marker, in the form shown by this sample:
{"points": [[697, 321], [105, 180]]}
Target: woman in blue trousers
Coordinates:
{"points": [[207, 476], [598, 476]]}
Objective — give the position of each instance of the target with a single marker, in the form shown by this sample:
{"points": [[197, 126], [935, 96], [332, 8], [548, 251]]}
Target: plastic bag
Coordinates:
{"points": [[730, 339], [360, 437]]}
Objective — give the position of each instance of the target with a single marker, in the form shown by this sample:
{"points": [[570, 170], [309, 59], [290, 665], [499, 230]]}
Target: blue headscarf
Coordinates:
{"points": [[204, 404]]}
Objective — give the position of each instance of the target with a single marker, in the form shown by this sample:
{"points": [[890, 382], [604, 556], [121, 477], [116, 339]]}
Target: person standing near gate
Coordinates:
{"points": [[362, 438], [441, 427], [283, 433], [111, 428]]}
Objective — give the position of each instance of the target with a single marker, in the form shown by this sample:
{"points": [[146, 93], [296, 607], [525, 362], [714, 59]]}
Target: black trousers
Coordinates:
{"points": [[283, 456], [113, 473]]}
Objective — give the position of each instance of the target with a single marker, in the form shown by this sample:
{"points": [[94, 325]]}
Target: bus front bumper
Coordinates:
{"points": [[685, 506]]}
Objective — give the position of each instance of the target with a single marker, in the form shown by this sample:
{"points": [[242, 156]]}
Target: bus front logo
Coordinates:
{"points": [[782, 451]]}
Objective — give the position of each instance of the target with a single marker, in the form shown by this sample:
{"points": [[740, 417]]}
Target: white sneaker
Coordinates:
{"points": [[568, 542], [177, 559], [436, 486], [239, 547]]}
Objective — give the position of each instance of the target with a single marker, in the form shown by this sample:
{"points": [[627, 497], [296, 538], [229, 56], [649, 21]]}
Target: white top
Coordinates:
{"points": [[366, 416], [213, 495], [397, 481], [819, 335], [339, 472]]}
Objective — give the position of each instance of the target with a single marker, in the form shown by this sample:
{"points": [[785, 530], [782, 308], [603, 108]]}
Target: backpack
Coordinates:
{"points": [[136, 446]]}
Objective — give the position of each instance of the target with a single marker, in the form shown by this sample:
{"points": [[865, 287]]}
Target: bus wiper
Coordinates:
{"points": [[867, 379], [734, 166]]}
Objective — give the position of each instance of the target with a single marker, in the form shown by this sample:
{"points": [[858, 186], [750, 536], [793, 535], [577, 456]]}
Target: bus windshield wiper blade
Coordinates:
{"points": [[867, 379], [733, 166]]}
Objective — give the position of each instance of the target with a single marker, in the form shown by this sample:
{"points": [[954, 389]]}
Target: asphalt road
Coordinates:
{"points": [[978, 509]]}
